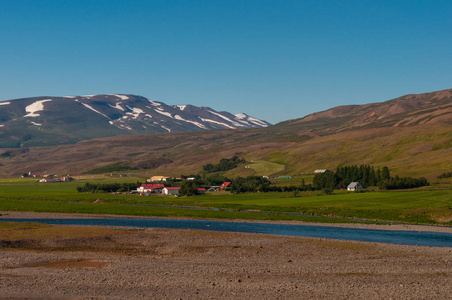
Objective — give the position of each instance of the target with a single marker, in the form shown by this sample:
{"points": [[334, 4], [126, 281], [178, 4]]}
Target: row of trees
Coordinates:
{"points": [[364, 174], [238, 185], [403, 183], [225, 164], [367, 176], [108, 187], [250, 184]]}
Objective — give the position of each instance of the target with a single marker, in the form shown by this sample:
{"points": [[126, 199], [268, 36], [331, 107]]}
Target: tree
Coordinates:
{"points": [[385, 174], [324, 181], [188, 188]]}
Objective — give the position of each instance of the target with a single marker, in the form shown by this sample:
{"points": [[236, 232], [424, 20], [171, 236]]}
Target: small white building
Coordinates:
{"points": [[354, 186], [321, 171], [171, 190]]}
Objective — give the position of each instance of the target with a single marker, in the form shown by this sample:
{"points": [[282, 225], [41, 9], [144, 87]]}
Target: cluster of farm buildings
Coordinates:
{"points": [[160, 188]]}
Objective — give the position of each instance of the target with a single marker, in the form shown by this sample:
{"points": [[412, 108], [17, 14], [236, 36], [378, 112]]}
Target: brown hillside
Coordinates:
{"points": [[429, 108], [411, 134]]}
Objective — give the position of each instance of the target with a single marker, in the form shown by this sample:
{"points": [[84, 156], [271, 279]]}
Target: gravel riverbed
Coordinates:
{"points": [[130, 263]]}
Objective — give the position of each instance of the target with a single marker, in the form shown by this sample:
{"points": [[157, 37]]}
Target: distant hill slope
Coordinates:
{"points": [[43, 121], [409, 110], [411, 134]]}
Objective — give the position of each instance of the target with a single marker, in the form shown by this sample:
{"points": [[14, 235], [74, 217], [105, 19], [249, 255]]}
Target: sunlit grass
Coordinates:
{"points": [[431, 206], [262, 167]]}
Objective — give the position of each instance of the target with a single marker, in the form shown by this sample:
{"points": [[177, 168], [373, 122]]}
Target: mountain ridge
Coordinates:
{"points": [[44, 121]]}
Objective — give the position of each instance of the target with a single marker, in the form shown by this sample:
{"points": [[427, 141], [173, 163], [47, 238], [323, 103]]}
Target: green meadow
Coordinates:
{"points": [[423, 206]]}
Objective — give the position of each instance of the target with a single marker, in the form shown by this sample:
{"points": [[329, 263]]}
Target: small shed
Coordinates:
{"points": [[354, 186]]}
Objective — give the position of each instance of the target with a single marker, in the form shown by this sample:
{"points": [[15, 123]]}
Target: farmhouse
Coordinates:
{"points": [[354, 186], [158, 178], [171, 190], [151, 188], [201, 191], [59, 179]]}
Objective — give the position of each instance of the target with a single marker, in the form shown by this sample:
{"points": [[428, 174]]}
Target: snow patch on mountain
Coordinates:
{"points": [[219, 123], [257, 122], [5, 103], [37, 124], [177, 117], [135, 112], [241, 116], [35, 107], [117, 106], [165, 113], [245, 118], [226, 118], [122, 97], [123, 126], [90, 107], [154, 103], [181, 107]]}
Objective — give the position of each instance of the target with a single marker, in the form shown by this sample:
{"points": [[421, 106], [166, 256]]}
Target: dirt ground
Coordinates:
{"points": [[67, 262]]}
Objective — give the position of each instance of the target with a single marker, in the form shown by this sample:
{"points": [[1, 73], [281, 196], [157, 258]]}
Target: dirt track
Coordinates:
{"points": [[191, 264]]}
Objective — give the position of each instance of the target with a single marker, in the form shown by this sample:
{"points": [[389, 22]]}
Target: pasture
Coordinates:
{"points": [[424, 206]]}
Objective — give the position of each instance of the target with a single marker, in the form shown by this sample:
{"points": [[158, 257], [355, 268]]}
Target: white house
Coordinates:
{"points": [[354, 186], [171, 190], [150, 188]]}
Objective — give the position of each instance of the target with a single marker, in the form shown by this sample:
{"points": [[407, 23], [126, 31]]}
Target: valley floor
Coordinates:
{"points": [[125, 263]]}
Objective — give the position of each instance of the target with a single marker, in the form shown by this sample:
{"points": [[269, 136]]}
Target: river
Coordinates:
{"points": [[424, 238]]}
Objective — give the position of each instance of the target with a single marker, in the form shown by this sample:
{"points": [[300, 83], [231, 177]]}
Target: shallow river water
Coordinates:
{"points": [[424, 238]]}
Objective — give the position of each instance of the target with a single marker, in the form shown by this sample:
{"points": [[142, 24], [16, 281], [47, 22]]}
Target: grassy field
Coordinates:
{"points": [[265, 168], [427, 206]]}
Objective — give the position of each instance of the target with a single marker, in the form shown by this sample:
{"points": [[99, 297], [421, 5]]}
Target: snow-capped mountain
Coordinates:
{"points": [[43, 121]]}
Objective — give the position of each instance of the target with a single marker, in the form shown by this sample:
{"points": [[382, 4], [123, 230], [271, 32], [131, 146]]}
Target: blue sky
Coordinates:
{"points": [[275, 60]]}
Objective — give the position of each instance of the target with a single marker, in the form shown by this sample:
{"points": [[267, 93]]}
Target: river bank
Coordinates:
{"points": [[66, 262]]}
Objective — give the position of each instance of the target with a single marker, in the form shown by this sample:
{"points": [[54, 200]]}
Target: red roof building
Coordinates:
{"points": [[151, 188], [225, 185]]}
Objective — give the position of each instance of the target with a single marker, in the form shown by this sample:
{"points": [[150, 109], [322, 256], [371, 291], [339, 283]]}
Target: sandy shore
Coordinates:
{"points": [[118, 263]]}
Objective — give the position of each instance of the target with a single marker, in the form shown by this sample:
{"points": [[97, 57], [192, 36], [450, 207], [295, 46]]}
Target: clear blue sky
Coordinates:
{"points": [[275, 60]]}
